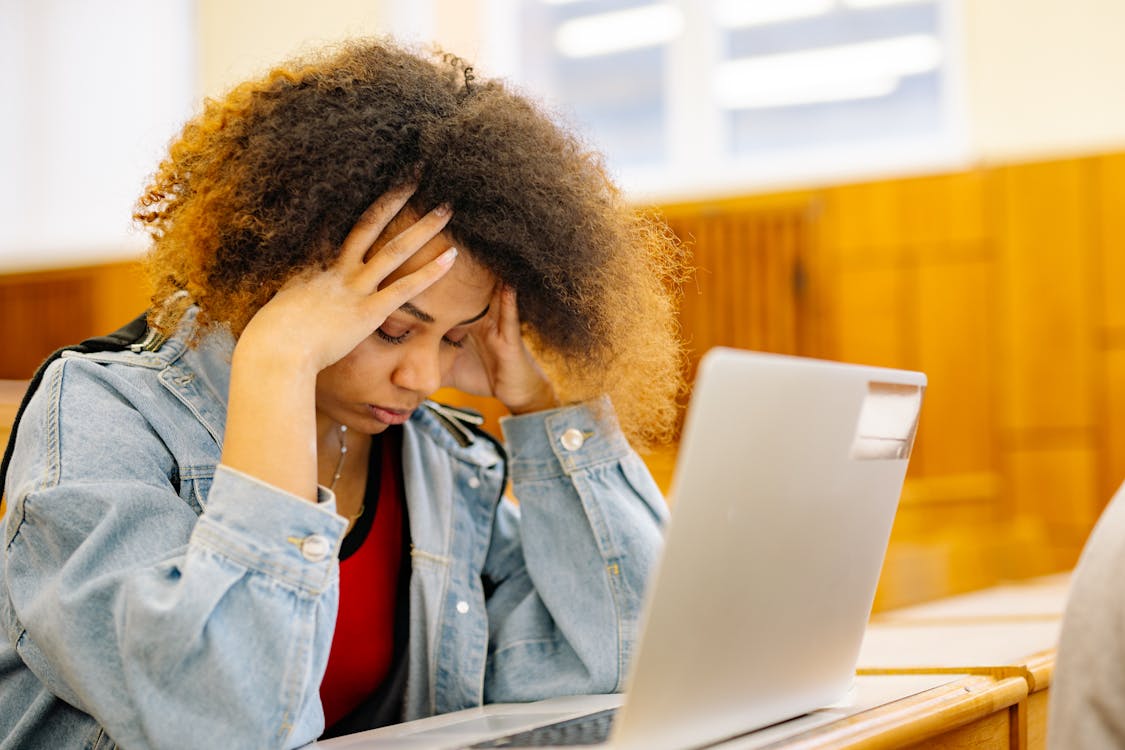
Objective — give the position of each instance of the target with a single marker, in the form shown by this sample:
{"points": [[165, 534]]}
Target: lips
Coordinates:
{"points": [[389, 416]]}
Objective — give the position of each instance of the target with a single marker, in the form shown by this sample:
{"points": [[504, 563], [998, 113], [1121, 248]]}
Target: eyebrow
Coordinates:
{"points": [[411, 309]]}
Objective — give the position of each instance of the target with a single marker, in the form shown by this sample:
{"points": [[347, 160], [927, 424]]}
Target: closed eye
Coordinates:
{"points": [[391, 339], [455, 343]]}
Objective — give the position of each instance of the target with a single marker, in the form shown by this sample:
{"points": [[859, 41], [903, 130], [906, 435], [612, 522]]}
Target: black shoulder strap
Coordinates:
{"points": [[128, 335], [460, 422]]}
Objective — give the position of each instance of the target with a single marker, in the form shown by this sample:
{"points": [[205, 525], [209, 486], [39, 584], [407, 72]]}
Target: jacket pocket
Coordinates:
{"points": [[195, 485]]}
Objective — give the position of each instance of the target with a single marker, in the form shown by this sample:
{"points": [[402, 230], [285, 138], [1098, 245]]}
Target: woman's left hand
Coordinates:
{"points": [[495, 361]]}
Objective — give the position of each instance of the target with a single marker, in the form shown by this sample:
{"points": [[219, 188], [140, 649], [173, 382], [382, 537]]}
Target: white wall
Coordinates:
{"points": [[1041, 78], [242, 38], [1044, 77], [82, 129], [239, 39]]}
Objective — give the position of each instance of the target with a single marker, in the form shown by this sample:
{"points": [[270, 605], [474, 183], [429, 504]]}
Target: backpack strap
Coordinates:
{"points": [[466, 426], [463, 424], [135, 335]]}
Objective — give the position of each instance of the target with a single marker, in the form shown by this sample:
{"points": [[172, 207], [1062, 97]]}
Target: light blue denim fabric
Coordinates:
{"points": [[152, 598]]}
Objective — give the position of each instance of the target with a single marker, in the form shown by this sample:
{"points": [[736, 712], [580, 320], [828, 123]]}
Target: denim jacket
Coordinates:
{"points": [[153, 598]]}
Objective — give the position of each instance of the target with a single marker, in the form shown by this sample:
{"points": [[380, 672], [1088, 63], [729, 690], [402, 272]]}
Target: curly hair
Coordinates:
{"points": [[268, 180]]}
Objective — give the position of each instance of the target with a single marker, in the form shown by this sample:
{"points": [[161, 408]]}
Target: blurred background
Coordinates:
{"points": [[931, 184]]}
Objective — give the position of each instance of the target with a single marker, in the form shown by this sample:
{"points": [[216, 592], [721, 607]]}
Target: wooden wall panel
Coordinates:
{"points": [[122, 292], [38, 316], [1045, 289], [1110, 271], [1050, 370], [11, 394], [1109, 194], [913, 284], [949, 213], [751, 286], [868, 316], [1113, 435], [865, 221], [1058, 487], [955, 338], [944, 560]]}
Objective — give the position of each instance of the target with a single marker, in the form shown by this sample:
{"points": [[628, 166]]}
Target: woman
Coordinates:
{"points": [[253, 524]]}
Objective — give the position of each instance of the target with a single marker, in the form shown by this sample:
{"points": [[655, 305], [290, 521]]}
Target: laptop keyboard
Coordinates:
{"points": [[591, 729]]}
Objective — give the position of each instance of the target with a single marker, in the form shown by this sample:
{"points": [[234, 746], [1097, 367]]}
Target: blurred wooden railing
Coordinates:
{"points": [[756, 275], [42, 311], [1001, 283], [11, 393]]}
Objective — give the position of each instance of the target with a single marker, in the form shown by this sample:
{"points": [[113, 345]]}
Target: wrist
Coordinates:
{"points": [[543, 399], [273, 358], [270, 429]]}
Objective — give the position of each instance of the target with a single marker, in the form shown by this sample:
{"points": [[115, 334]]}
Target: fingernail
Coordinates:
{"points": [[443, 210], [446, 259]]}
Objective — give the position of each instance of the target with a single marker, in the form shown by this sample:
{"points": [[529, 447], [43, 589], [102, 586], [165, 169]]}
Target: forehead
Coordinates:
{"points": [[462, 293]]}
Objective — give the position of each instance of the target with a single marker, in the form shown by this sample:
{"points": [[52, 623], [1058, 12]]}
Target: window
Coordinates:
{"points": [[705, 95]]}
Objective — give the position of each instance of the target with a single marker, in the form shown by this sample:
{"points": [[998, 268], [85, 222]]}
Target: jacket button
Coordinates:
{"points": [[474, 482], [572, 439], [315, 548], [463, 607]]}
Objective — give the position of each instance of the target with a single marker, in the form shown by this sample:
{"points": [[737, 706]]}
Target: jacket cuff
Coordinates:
{"points": [[562, 441], [272, 531]]}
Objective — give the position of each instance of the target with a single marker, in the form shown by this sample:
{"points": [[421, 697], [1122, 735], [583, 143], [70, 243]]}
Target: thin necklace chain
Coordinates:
{"points": [[339, 470], [343, 454]]}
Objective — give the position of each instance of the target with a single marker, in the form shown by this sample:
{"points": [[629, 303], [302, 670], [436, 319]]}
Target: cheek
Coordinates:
{"points": [[363, 367], [448, 356]]}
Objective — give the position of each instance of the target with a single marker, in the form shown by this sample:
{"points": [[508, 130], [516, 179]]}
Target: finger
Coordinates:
{"points": [[373, 221], [391, 297], [402, 246]]}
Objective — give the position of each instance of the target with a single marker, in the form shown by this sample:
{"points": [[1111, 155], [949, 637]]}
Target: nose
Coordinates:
{"points": [[419, 370]]}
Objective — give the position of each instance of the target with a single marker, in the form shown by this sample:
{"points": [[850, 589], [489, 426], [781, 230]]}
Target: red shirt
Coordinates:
{"points": [[363, 643]]}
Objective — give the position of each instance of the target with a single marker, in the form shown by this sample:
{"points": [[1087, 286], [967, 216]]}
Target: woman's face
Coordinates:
{"points": [[406, 359]]}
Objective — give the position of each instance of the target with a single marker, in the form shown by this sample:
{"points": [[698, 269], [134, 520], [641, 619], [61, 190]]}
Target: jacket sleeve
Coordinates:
{"points": [[171, 629], [567, 569]]}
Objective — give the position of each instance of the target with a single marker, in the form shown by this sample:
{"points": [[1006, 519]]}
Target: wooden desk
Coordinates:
{"points": [[1041, 598], [971, 671], [996, 649], [905, 711], [999, 650], [1002, 632], [882, 711]]}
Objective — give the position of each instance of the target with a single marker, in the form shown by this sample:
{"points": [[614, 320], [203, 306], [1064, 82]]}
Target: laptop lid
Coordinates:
{"points": [[785, 490], [786, 485]]}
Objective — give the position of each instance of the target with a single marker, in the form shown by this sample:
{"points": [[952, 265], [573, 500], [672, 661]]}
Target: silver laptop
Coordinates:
{"points": [[785, 489]]}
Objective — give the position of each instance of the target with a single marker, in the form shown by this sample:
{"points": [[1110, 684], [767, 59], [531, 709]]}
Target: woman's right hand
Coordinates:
{"points": [[320, 315], [316, 319]]}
